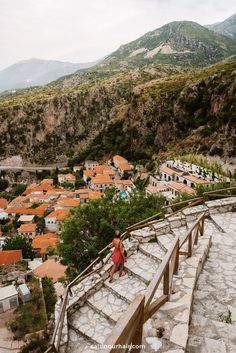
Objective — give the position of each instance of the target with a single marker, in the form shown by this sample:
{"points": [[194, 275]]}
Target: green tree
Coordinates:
{"points": [[3, 184], [90, 228], [49, 294], [21, 243]]}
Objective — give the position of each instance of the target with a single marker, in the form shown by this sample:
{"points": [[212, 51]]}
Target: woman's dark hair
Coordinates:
{"points": [[117, 234]]}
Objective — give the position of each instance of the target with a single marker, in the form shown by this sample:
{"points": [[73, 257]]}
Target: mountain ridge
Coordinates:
{"points": [[226, 27], [34, 72]]}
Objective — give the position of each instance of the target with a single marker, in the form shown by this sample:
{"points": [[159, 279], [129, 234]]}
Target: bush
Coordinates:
{"points": [[49, 295]]}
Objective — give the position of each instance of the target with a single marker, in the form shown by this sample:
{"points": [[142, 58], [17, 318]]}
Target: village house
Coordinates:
{"points": [[90, 165], [67, 203], [26, 218], [117, 160], [101, 183], [52, 221], [3, 206], [156, 190], [87, 175], [51, 269], [42, 243], [66, 178], [27, 230], [77, 168], [179, 188], [125, 167], [169, 174], [124, 185], [8, 298]]}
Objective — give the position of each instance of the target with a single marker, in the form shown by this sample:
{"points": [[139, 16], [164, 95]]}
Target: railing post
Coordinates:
{"points": [[197, 230], [166, 281], [190, 245], [176, 268], [202, 227], [138, 335]]}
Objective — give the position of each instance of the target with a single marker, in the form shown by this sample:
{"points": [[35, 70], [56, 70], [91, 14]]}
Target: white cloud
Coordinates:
{"points": [[79, 30]]}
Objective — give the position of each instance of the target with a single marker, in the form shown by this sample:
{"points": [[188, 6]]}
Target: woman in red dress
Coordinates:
{"points": [[118, 256]]}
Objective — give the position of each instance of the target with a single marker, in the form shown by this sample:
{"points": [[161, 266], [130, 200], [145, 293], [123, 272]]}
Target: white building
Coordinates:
{"points": [[8, 298], [90, 165], [101, 183], [118, 160], [52, 221]]}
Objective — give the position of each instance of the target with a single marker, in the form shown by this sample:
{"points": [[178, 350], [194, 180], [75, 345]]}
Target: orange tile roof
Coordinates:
{"points": [[47, 181], [102, 179], [88, 172], [124, 182], [119, 158], [52, 269], [181, 187], [94, 195], [100, 169], [196, 180], [27, 227], [67, 176], [125, 166], [8, 257], [44, 241], [170, 171], [109, 171], [38, 211], [3, 203], [82, 191], [69, 202], [59, 214]]}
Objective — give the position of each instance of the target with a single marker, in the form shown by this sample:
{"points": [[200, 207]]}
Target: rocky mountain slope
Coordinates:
{"points": [[227, 27], [181, 43], [35, 72], [138, 115]]}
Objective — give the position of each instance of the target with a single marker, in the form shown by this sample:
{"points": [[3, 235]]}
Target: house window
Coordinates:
{"points": [[1, 307], [13, 303]]}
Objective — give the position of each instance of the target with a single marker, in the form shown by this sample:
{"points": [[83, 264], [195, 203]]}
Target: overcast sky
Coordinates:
{"points": [[86, 30]]}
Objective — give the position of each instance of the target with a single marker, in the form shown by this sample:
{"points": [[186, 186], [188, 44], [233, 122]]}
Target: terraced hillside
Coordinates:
{"points": [[126, 114]]}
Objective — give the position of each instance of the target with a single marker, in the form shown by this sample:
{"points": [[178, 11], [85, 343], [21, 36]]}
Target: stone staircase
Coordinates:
{"points": [[215, 293], [95, 305]]}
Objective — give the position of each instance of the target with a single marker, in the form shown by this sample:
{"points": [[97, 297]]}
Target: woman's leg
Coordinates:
{"points": [[122, 273], [113, 269]]}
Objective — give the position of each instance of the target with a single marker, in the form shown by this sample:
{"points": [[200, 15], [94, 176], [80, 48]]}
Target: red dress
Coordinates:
{"points": [[117, 257]]}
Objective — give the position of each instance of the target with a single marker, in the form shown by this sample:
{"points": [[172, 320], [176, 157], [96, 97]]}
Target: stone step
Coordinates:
{"points": [[127, 287], [80, 344], [202, 326], [225, 221], [108, 303], [142, 266], [197, 344], [153, 249], [165, 240], [90, 324]]}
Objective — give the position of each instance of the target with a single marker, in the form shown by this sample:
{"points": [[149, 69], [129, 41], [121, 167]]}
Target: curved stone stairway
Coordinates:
{"points": [[215, 294], [95, 305]]}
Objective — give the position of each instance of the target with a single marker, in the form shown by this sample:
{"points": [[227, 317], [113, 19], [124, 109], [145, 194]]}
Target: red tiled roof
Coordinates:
{"points": [[59, 214], [44, 241], [8, 257], [50, 268], [27, 227], [3, 203]]}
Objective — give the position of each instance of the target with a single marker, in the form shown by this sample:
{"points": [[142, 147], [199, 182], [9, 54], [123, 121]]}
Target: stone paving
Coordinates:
{"points": [[215, 293], [95, 304]]}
